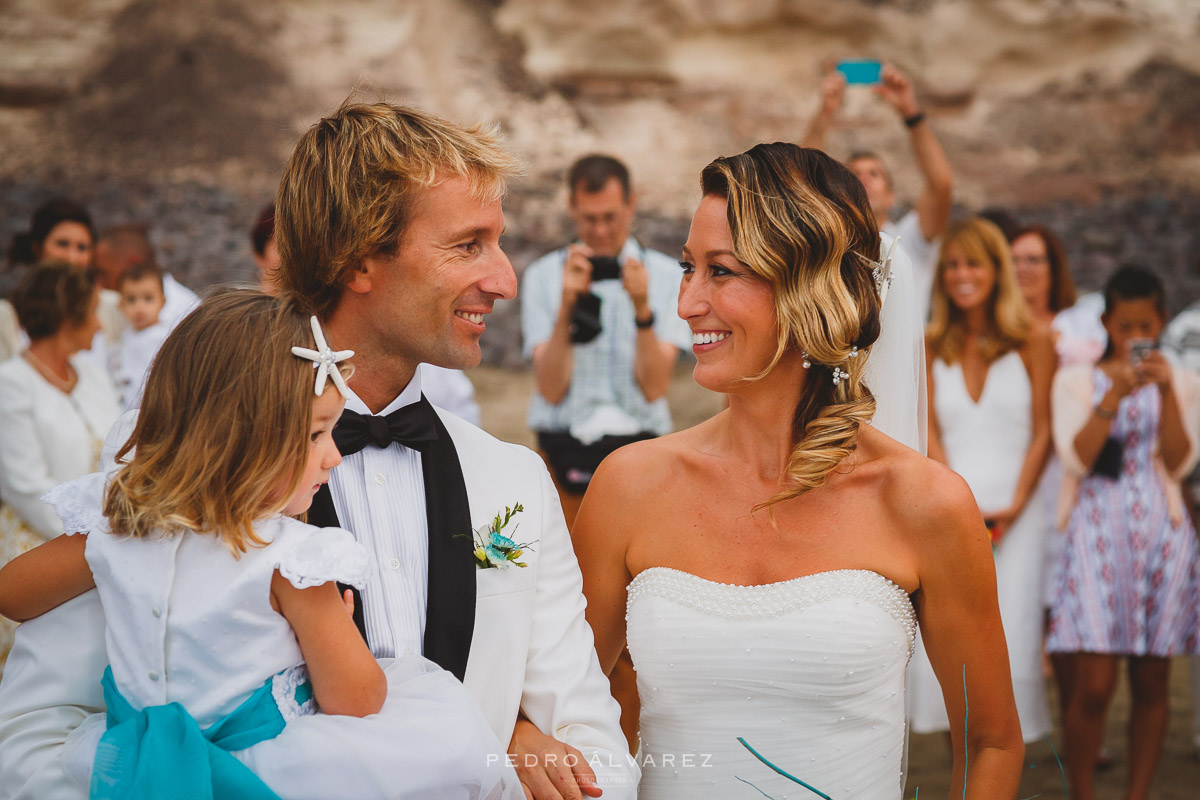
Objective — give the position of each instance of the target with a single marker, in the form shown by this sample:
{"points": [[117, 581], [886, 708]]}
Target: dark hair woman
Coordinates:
{"points": [[60, 230], [1127, 583], [54, 408]]}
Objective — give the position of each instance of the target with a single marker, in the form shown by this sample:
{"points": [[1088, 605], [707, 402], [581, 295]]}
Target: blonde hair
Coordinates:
{"points": [[801, 221], [348, 190], [1009, 318], [222, 436]]}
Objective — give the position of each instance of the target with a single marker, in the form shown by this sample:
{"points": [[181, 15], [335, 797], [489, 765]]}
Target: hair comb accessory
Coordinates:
{"points": [[839, 375], [882, 271], [325, 360]]}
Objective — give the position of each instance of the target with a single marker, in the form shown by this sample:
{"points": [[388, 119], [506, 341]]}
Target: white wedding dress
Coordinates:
{"points": [[810, 672]]}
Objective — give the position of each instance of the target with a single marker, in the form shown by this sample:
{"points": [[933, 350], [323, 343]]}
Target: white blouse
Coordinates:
{"points": [[47, 436]]}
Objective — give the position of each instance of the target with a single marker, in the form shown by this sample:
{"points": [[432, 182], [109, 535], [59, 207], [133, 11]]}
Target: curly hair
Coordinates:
{"points": [[801, 221]]}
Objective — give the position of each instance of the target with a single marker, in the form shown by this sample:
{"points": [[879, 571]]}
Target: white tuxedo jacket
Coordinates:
{"points": [[531, 648]]}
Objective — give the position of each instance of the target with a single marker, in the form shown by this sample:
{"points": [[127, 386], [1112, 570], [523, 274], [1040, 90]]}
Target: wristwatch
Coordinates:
{"points": [[643, 324]]}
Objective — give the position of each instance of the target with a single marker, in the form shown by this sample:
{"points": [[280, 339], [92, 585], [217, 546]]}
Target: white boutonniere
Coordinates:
{"points": [[495, 550]]}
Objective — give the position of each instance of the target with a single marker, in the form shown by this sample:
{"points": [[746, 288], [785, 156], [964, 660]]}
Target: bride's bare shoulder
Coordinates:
{"points": [[920, 491], [646, 467]]}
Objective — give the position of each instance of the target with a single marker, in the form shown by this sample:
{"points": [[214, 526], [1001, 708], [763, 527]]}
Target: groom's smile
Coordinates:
{"points": [[448, 271], [475, 319]]}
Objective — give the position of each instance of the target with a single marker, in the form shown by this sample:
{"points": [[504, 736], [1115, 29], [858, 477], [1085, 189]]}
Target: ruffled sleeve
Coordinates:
{"points": [[324, 555], [79, 504]]}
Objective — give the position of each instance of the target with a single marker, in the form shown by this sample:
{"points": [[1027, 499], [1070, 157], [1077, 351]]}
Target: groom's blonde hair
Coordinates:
{"points": [[801, 221], [350, 188]]}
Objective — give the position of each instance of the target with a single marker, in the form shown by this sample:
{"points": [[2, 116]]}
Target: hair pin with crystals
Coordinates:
{"points": [[882, 271], [325, 360], [838, 374]]}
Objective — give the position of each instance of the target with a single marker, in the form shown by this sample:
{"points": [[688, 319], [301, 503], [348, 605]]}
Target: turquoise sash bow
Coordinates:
{"points": [[160, 753]]}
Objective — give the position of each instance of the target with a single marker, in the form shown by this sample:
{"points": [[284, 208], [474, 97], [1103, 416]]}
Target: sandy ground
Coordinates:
{"points": [[503, 396]]}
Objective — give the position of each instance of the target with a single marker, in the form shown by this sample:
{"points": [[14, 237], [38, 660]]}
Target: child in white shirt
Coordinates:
{"points": [[142, 301]]}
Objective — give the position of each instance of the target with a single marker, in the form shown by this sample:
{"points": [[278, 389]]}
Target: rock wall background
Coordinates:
{"points": [[1081, 113]]}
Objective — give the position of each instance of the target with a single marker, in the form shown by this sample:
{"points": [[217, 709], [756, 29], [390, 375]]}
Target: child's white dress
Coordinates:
{"points": [[188, 623]]}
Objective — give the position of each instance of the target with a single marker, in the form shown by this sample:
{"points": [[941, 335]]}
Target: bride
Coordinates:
{"points": [[768, 568]]}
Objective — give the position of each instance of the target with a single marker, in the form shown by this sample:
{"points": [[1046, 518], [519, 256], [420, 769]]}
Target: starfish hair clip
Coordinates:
{"points": [[325, 360]]}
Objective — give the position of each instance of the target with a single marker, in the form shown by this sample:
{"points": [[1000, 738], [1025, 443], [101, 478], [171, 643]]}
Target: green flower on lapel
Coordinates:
{"points": [[494, 550]]}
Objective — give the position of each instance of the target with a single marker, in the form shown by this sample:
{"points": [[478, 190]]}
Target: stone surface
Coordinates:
{"points": [[1081, 113]]}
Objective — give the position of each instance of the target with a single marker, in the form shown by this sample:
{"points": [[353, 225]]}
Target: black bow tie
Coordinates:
{"points": [[413, 426]]}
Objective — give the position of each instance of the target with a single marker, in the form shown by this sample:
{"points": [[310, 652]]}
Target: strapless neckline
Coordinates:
{"points": [[809, 670], [737, 600]]}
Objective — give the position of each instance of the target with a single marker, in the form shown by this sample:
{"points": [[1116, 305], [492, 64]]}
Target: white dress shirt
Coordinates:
{"points": [[452, 390], [922, 252], [130, 363], [180, 301], [602, 369], [379, 496]]}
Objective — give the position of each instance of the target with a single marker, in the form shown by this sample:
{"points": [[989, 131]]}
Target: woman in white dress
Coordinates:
{"points": [[54, 408], [769, 567], [990, 368]]}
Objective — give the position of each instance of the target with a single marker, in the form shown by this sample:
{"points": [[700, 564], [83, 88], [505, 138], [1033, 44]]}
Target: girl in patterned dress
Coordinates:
{"points": [[1127, 582]]}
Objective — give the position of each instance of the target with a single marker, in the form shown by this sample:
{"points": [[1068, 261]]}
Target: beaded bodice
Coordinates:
{"points": [[809, 671]]}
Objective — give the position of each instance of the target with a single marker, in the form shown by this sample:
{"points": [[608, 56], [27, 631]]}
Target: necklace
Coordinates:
{"points": [[64, 386]]}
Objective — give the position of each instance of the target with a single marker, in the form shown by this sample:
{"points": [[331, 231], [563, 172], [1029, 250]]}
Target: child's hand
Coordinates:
{"points": [[1124, 379], [348, 600], [1154, 368]]}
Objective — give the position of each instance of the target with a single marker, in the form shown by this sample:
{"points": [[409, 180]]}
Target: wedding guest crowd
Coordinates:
{"points": [[990, 419], [1074, 419], [83, 318]]}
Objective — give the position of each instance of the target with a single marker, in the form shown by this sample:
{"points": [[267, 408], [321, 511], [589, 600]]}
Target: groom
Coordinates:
{"points": [[389, 222]]}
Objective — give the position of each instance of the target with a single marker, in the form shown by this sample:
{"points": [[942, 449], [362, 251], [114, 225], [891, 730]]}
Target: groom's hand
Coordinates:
{"points": [[550, 769]]}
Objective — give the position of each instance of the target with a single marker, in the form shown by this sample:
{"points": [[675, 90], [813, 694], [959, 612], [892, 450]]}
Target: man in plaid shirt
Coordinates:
{"points": [[599, 322]]}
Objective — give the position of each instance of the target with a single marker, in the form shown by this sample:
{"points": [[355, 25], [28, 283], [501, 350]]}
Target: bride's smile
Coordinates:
{"points": [[730, 310], [767, 567]]}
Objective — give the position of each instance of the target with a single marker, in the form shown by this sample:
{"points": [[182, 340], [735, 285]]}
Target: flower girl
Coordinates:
{"points": [[227, 635]]}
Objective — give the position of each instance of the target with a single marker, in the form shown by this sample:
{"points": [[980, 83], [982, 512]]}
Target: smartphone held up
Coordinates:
{"points": [[1140, 348], [860, 72]]}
